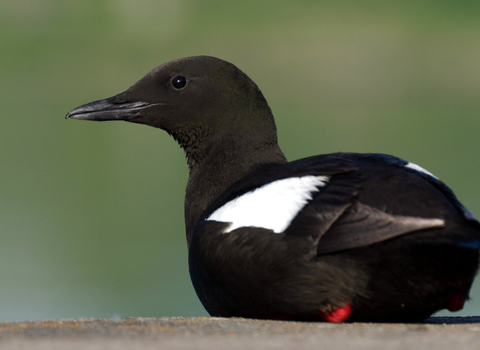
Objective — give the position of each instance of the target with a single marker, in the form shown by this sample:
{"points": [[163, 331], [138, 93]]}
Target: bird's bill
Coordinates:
{"points": [[107, 109]]}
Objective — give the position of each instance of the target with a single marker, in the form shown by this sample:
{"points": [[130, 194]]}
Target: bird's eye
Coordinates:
{"points": [[179, 82]]}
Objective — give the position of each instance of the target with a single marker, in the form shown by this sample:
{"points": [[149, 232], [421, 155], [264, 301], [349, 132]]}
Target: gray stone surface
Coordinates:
{"points": [[237, 333]]}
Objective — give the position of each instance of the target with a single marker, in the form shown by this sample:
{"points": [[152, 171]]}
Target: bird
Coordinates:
{"points": [[341, 237]]}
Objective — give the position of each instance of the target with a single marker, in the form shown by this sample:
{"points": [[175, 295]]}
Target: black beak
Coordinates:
{"points": [[108, 109]]}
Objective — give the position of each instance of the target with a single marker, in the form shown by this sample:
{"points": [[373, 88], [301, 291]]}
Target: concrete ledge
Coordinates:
{"points": [[236, 333]]}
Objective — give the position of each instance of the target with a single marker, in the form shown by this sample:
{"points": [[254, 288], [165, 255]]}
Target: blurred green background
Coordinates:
{"points": [[91, 214]]}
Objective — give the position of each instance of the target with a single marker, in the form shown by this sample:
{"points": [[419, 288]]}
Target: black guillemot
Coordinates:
{"points": [[335, 237]]}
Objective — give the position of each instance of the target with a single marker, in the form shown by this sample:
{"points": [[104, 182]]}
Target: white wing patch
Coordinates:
{"points": [[419, 169], [272, 206]]}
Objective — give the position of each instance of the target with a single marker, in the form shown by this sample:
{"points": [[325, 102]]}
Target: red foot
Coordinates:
{"points": [[338, 315], [457, 302]]}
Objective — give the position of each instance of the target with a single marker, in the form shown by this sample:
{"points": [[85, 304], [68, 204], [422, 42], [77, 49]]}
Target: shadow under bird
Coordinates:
{"points": [[335, 237]]}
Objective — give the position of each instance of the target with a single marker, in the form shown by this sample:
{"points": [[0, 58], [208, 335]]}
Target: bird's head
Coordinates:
{"points": [[201, 101]]}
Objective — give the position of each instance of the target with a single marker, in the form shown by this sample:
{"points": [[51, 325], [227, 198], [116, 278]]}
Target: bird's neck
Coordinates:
{"points": [[214, 172]]}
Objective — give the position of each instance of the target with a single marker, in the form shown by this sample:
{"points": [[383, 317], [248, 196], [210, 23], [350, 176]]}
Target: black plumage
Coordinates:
{"points": [[365, 237]]}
